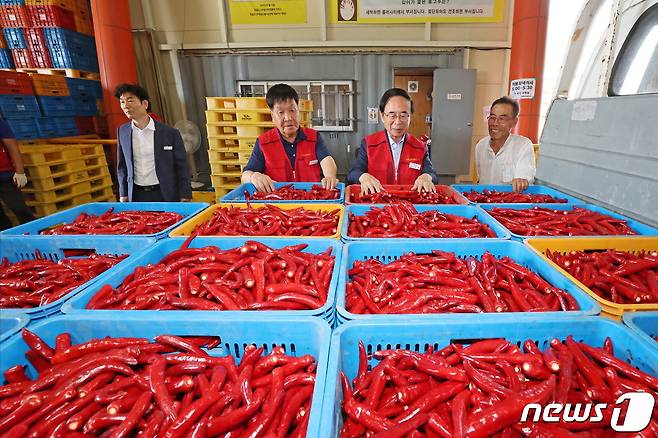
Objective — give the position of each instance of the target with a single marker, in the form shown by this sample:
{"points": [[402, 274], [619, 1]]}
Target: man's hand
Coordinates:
{"points": [[519, 184], [369, 184], [262, 182], [424, 183], [329, 182], [20, 180], [123, 199]]}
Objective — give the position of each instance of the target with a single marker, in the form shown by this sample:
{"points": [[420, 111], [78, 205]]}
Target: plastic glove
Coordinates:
{"points": [[20, 180]]}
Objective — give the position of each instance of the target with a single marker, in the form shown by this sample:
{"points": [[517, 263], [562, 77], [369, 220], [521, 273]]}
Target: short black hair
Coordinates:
{"points": [[391, 92], [280, 93], [135, 89], [505, 100]]}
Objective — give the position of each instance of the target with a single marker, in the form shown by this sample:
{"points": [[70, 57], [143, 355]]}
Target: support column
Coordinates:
{"points": [[527, 59]]}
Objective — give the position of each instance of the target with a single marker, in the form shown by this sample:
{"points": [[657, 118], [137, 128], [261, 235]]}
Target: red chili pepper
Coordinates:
{"points": [[541, 221], [224, 280], [123, 222], [287, 192], [494, 196], [393, 194]]}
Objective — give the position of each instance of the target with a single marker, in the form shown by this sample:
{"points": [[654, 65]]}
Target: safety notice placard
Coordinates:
{"points": [[268, 12], [522, 88], [417, 11]]}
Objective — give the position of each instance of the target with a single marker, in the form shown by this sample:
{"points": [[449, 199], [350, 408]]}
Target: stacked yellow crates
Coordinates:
{"points": [[234, 124], [65, 175]]}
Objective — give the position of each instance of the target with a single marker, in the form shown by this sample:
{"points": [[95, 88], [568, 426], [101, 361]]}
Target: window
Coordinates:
{"points": [[636, 68], [333, 105]]}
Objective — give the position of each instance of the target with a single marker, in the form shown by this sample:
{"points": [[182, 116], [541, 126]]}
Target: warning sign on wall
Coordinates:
{"points": [[268, 12], [522, 88]]}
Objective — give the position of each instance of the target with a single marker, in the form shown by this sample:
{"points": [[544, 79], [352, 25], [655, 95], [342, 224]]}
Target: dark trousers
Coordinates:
{"points": [[13, 200], [141, 195]]}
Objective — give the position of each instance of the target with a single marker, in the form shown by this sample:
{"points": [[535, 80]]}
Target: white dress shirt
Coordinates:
{"points": [[516, 159], [396, 149], [144, 154]]}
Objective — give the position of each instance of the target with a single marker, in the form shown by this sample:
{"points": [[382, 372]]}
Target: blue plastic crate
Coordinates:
{"points": [[15, 37], [164, 247], [237, 195], [532, 190], [645, 324], [386, 252], [57, 106], [299, 337], [84, 88], [47, 127], [186, 209], [66, 126], [469, 211], [24, 129], [10, 325], [85, 106], [18, 248], [638, 227], [344, 353], [69, 49], [12, 2], [19, 106], [6, 60]]}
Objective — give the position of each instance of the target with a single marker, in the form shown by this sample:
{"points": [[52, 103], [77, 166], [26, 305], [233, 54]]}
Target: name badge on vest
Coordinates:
{"points": [[414, 166], [168, 148], [313, 162]]}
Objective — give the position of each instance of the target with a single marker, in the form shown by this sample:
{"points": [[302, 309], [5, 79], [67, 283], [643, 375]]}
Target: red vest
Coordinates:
{"points": [[5, 160], [382, 166], [277, 164]]}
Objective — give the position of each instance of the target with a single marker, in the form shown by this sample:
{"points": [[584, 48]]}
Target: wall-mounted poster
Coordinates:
{"points": [[268, 12], [417, 11]]}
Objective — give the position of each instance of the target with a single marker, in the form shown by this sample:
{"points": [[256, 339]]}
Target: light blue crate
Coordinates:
{"points": [[15, 37], [469, 211], [386, 252], [416, 336], [55, 248], [645, 324], [78, 304], [298, 336], [532, 190], [6, 60], [186, 209], [11, 324], [237, 194], [638, 227]]}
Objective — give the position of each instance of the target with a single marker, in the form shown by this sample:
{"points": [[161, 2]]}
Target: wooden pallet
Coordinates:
{"points": [[68, 72], [54, 196], [63, 167]]}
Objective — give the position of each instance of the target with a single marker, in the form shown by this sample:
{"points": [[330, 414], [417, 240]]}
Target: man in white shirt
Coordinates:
{"points": [[152, 163], [502, 157]]}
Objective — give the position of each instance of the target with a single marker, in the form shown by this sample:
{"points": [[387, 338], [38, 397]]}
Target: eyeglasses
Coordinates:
{"points": [[499, 119], [392, 116]]}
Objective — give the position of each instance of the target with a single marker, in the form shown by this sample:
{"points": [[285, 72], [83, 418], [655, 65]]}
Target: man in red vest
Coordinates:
{"points": [[393, 156], [288, 153]]}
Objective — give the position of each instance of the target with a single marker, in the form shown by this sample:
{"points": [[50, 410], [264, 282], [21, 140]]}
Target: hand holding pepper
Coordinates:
{"points": [[424, 183], [329, 182], [369, 184], [262, 182], [519, 184]]}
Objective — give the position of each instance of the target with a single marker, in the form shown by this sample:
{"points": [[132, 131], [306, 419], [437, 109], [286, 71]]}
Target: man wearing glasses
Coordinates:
{"points": [[502, 157], [393, 156]]}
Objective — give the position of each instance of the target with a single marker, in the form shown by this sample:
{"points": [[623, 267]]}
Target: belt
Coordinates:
{"points": [[148, 188]]}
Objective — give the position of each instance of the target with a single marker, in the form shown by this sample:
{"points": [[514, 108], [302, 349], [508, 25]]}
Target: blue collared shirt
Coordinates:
{"points": [[396, 149], [256, 161]]}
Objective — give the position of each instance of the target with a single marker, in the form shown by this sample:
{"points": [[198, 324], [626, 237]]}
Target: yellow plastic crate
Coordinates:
{"points": [[48, 208], [189, 226], [226, 168], [64, 4], [630, 244], [51, 196], [223, 181], [59, 168], [101, 193], [219, 144], [40, 154], [231, 132], [229, 156], [56, 182], [217, 103]]}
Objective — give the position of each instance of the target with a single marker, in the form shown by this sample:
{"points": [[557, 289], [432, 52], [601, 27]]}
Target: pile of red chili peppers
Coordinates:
{"points": [[121, 387], [288, 192], [122, 222], [496, 197], [33, 283], [441, 282], [480, 390], [250, 277], [540, 221], [390, 196], [618, 276], [403, 220], [269, 220]]}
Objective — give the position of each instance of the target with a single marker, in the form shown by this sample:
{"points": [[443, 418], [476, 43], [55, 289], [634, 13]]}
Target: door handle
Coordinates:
{"points": [[469, 124]]}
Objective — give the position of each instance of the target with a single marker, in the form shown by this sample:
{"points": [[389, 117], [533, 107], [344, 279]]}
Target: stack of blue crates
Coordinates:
{"points": [[6, 61], [14, 37], [69, 49]]}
